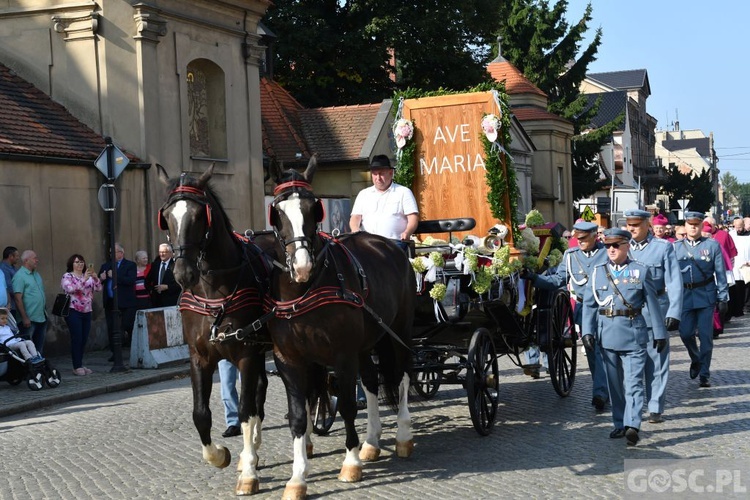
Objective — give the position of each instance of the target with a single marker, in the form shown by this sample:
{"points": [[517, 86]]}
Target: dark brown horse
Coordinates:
{"points": [[340, 301], [224, 280]]}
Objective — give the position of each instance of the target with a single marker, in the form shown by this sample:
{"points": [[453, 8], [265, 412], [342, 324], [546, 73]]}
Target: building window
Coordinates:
{"points": [[560, 185], [206, 110]]}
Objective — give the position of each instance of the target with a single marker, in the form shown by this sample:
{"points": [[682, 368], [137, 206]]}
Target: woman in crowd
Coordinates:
{"points": [[143, 266], [80, 282]]}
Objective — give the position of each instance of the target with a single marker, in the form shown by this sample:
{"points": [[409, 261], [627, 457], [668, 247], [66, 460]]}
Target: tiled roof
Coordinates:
{"points": [[612, 104], [624, 80], [528, 113], [338, 133], [31, 123], [282, 139], [702, 145], [515, 82]]}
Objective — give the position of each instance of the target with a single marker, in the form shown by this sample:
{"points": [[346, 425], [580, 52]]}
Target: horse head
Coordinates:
{"points": [[186, 216], [294, 214]]}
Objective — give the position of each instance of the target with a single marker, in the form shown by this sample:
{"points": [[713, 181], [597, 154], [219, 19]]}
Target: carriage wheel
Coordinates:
{"points": [[482, 381], [427, 382], [323, 410], [561, 351]]}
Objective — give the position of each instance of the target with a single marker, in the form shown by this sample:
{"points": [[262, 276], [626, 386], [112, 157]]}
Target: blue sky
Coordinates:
{"points": [[698, 61]]}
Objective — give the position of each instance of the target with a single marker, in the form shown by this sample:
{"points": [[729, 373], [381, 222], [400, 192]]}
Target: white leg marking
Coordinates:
{"points": [[374, 427], [178, 212], [404, 433], [251, 441], [300, 466]]}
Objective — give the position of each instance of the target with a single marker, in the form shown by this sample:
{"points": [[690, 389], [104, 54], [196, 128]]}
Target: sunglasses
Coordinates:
{"points": [[567, 237], [616, 246]]}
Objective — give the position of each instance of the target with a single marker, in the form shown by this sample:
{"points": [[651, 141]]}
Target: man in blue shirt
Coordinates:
{"points": [[8, 266], [575, 270], [658, 255], [704, 281]]}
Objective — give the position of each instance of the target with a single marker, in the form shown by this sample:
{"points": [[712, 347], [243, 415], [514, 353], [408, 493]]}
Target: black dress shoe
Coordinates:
{"points": [[655, 418], [695, 369], [704, 382], [231, 431], [631, 434], [617, 434], [598, 402]]}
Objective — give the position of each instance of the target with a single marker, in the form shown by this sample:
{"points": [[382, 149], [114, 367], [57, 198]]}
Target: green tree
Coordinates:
{"points": [[696, 188], [539, 42], [332, 52]]}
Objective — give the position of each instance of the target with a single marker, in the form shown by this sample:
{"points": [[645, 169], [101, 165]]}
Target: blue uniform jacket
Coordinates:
{"points": [[575, 268], [699, 263], [636, 287], [660, 258]]}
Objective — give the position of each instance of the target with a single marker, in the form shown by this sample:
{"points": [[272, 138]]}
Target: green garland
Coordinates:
{"points": [[500, 185]]}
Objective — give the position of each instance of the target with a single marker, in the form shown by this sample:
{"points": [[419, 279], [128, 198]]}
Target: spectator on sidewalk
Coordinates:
{"points": [[11, 258], [126, 274], [160, 282], [80, 282], [28, 289], [24, 348], [143, 266]]}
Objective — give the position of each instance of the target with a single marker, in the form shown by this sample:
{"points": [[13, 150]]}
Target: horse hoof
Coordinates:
{"points": [[369, 453], [227, 459], [295, 492], [405, 448], [309, 449], [247, 486], [350, 474]]}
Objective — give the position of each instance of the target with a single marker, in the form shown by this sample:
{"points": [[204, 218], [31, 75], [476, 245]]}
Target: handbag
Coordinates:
{"points": [[61, 307]]}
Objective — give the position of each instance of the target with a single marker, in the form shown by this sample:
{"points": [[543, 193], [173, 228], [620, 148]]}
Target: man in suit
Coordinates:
{"points": [[614, 319], [658, 255], [160, 281], [126, 303], [704, 281], [575, 270]]}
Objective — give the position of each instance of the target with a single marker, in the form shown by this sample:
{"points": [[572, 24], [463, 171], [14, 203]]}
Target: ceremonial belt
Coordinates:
{"points": [[697, 284], [611, 313]]}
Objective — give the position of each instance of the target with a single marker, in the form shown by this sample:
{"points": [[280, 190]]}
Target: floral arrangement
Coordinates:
{"points": [[490, 126], [555, 257], [528, 241], [437, 259], [534, 218], [438, 291], [403, 131]]}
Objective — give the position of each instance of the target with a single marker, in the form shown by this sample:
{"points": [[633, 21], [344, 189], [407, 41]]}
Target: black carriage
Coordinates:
{"points": [[459, 339]]}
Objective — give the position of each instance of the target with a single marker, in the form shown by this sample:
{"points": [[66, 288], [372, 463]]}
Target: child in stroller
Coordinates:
{"points": [[14, 349]]}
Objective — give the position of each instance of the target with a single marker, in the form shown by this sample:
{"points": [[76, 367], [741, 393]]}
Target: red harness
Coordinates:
{"points": [[245, 297]]}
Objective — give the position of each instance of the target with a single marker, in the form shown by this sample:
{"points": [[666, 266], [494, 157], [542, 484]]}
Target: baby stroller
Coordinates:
{"points": [[36, 371]]}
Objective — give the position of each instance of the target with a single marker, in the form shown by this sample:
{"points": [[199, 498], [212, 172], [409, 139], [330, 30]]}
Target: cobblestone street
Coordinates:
{"points": [[141, 443]]}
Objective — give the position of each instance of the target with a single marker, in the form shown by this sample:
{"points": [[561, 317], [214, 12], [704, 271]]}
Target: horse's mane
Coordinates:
{"points": [[211, 194]]}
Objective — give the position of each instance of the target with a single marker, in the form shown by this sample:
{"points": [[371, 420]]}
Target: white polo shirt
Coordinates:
{"points": [[385, 213]]}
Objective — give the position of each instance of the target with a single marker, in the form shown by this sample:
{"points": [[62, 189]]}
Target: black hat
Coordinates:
{"points": [[380, 161]]}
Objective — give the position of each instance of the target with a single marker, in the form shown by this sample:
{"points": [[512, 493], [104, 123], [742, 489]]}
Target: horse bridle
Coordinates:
{"points": [[195, 195], [282, 192]]}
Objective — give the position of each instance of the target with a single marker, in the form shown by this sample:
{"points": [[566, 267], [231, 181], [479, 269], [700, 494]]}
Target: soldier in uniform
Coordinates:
{"points": [[575, 270], [704, 281], [658, 255], [621, 288]]}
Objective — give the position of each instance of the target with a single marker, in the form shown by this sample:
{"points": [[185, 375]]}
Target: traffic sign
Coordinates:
{"points": [[588, 214], [107, 197], [683, 203], [118, 157]]}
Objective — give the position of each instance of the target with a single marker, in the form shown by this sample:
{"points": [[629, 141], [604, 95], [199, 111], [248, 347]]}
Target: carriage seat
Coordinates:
{"points": [[441, 226], [445, 225]]}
